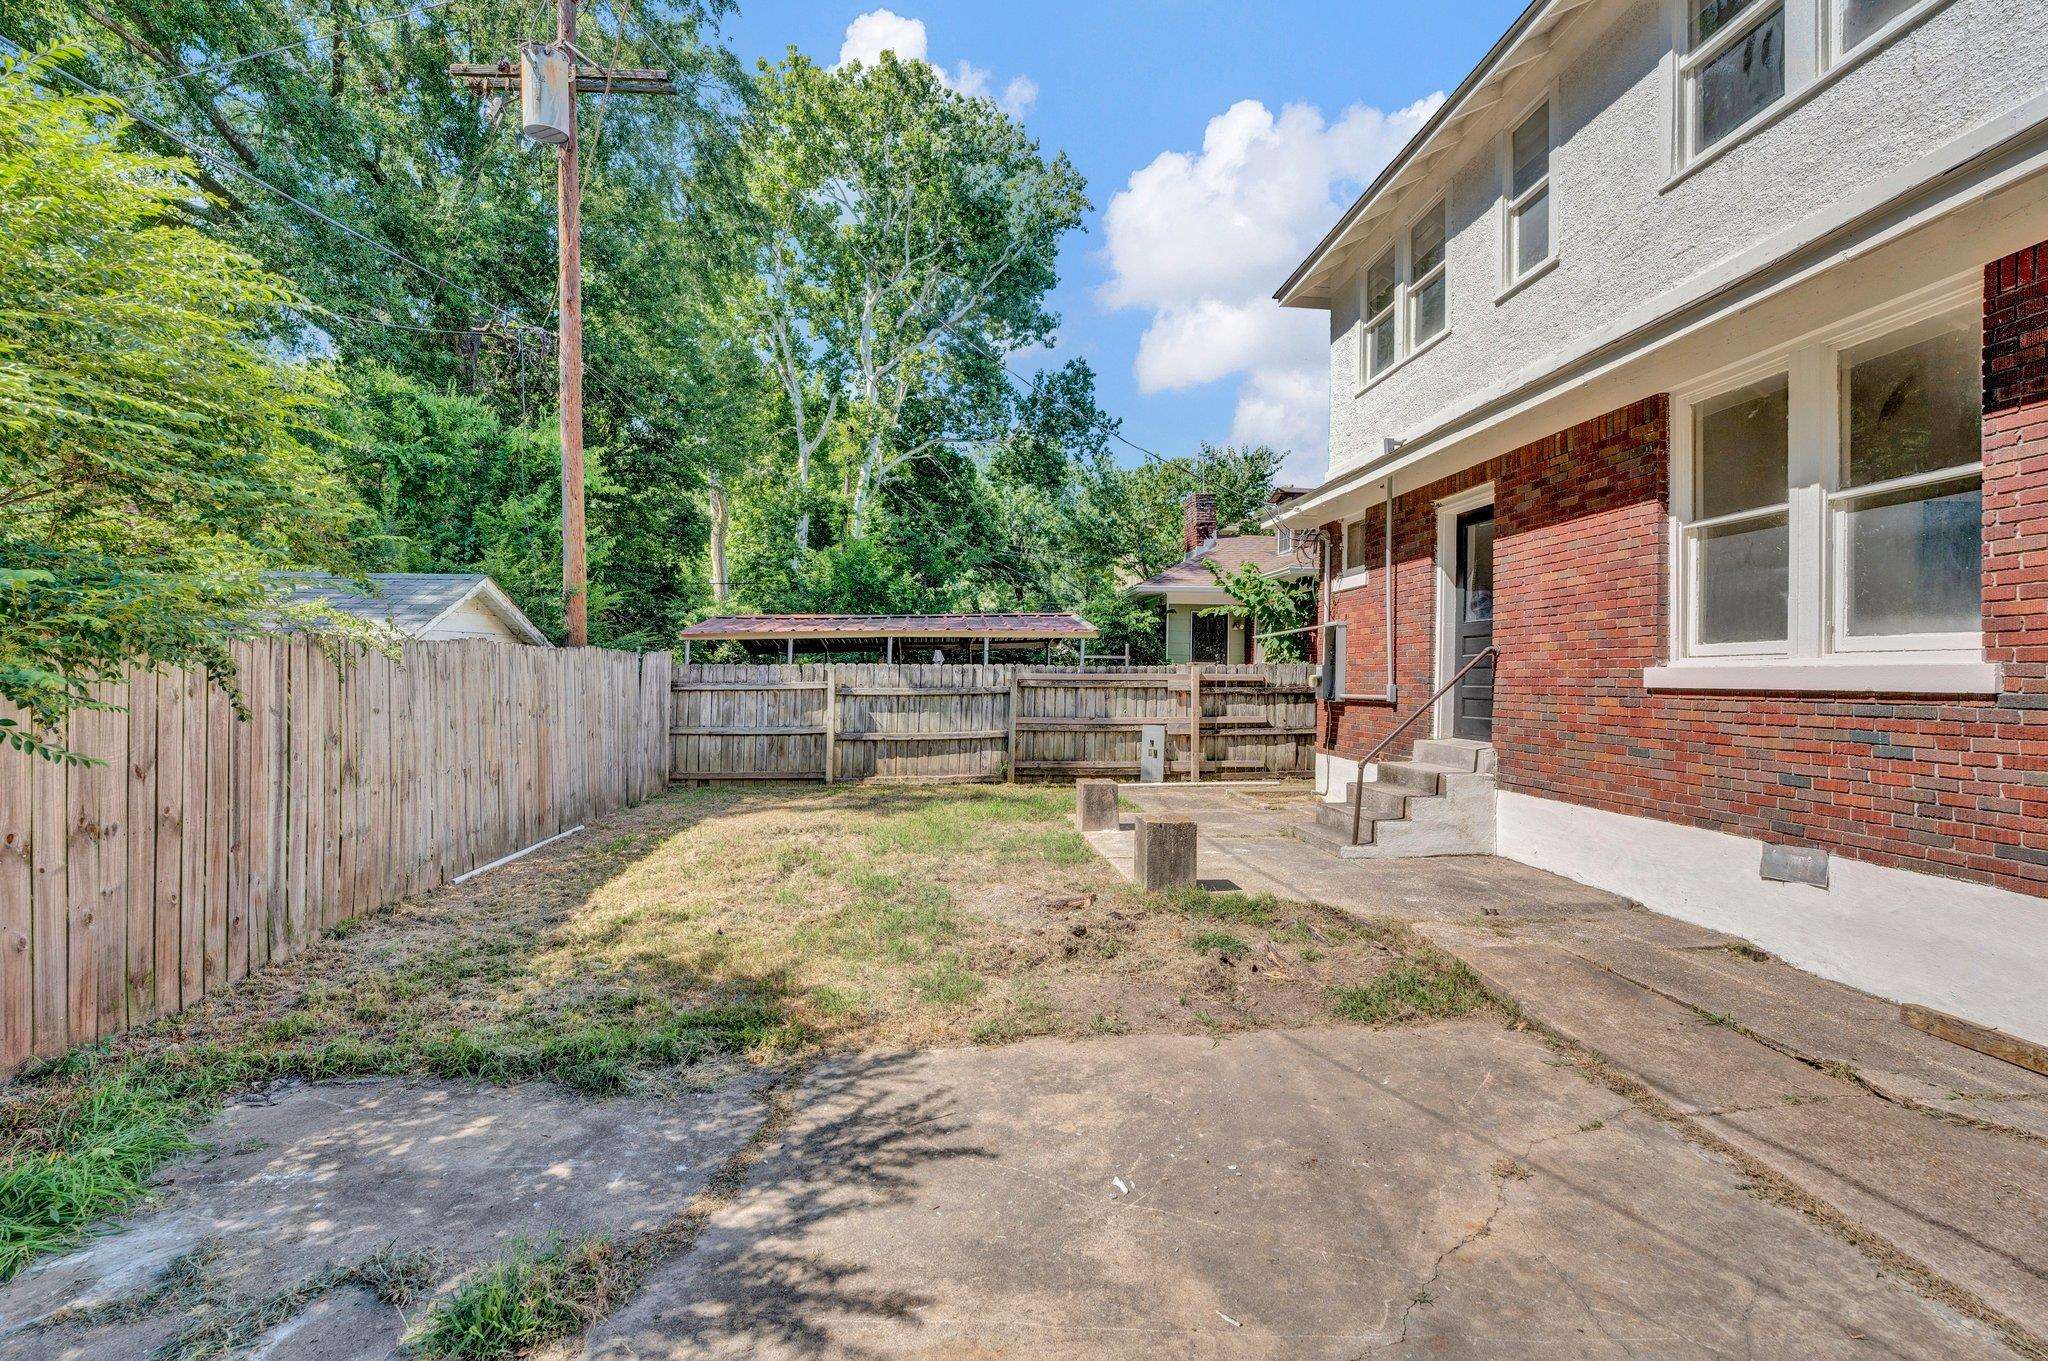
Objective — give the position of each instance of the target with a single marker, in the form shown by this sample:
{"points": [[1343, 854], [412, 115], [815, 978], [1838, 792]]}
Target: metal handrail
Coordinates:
{"points": [[1358, 780]]}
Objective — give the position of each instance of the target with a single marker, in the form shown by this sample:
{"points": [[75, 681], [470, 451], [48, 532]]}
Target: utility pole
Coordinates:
{"points": [[551, 121]]}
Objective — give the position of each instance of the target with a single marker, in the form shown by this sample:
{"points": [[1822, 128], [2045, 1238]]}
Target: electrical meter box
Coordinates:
{"points": [[1152, 753]]}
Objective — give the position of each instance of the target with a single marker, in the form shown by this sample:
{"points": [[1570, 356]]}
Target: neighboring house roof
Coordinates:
{"points": [[803, 626], [1228, 552], [1533, 27], [411, 603]]}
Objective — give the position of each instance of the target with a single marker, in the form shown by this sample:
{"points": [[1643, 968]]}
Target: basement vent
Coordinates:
{"points": [[1796, 865]]}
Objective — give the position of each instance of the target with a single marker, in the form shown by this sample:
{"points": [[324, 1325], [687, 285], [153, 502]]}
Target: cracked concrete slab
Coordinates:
{"points": [[1818, 1020], [1452, 1191], [329, 1174]]}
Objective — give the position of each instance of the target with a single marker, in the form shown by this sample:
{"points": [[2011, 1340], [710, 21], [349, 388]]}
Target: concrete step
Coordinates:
{"points": [[1424, 777], [1335, 818], [1459, 753], [1380, 799]]}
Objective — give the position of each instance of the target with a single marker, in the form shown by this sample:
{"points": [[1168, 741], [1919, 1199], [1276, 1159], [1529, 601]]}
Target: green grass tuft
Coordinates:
{"points": [[1425, 986], [1245, 909], [524, 1301], [98, 1160], [1218, 943]]}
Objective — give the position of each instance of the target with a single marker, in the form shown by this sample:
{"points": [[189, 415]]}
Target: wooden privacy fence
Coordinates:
{"points": [[207, 846], [910, 723]]}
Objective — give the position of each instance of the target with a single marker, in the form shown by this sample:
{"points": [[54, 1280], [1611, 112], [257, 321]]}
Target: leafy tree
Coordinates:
{"points": [[159, 456], [454, 486], [1268, 605], [898, 239], [366, 127]]}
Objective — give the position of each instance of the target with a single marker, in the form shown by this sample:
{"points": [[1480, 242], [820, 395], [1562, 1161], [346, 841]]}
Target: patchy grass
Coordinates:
{"points": [[1425, 986], [221, 1327], [709, 927], [1218, 943], [528, 1299]]}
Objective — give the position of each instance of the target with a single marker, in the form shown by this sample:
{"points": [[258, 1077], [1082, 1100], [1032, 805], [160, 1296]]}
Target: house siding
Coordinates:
{"points": [[1625, 233], [1954, 787]]}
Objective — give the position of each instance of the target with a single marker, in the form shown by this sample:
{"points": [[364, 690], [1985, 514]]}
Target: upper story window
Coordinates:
{"points": [[1381, 285], [1835, 506], [1426, 268], [1735, 65], [1528, 243], [1403, 304], [1741, 59]]}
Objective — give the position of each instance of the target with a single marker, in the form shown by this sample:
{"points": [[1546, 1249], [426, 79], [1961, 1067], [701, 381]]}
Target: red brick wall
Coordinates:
{"points": [[1957, 787]]}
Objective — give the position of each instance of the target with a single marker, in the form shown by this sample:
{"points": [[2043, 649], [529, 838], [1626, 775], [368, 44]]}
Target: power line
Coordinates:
{"points": [[285, 47]]}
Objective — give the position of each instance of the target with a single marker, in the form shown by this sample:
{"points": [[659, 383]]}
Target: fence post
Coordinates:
{"points": [[1010, 752], [1195, 722], [831, 722]]}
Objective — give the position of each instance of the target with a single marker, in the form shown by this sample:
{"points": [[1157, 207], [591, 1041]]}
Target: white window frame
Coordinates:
{"points": [[1349, 571], [1512, 278], [1406, 347], [1816, 606], [1367, 320], [1410, 288], [1814, 59]]}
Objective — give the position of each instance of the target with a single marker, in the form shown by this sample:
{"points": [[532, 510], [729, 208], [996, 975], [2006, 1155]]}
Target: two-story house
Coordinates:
{"points": [[1689, 430]]}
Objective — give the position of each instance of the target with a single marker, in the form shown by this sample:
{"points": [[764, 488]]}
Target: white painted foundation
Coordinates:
{"points": [[1333, 772], [1967, 949]]}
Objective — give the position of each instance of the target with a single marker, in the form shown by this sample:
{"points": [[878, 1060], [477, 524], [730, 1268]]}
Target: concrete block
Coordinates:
{"points": [[1095, 805], [1165, 853]]}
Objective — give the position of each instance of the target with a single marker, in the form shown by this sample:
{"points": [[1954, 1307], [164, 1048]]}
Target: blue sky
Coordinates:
{"points": [[1219, 141]]}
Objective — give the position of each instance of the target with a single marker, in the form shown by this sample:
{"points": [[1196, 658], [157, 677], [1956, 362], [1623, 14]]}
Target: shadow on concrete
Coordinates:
{"points": [[857, 1143]]}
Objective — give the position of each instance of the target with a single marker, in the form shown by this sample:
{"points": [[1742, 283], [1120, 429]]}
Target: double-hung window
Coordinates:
{"points": [[1832, 506], [1734, 65], [1402, 305], [1527, 174], [1382, 286], [1740, 59], [1426, 277]]}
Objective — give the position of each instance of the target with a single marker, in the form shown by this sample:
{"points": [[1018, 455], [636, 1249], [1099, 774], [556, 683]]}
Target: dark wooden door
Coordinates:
{"points": [[1212, 638], [1472, 626]]}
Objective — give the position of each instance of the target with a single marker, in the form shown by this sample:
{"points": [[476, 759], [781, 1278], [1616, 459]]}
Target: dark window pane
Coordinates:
{"points": [[1711, 16], [1429, 309], [1531, 153], [1479, 571], [1915, 562], [1426, 243], [1380, 342], [1532, 233], [1379, 286], [1861, 18], [1748, 77], [1744, 441], [1918, 408], [1743, 570]]}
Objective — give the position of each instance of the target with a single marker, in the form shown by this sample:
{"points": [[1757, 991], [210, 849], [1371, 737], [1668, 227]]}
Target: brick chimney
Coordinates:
{"points": [[1201, 520]]}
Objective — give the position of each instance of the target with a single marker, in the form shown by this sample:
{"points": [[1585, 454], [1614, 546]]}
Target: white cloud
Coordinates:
{"points": [[882, 30], [1201, 239]]}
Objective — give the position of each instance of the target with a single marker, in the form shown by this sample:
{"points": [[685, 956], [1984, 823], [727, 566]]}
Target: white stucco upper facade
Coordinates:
{"points": [[1645, 223]]}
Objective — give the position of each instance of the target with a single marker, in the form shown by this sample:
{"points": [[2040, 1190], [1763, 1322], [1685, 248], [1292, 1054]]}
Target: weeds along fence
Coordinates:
{"points": [[205, 846], [837, 722]]}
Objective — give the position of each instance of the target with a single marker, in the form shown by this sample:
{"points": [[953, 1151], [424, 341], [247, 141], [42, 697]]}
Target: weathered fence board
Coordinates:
{"points": [[205, 846], [882, 722]]}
